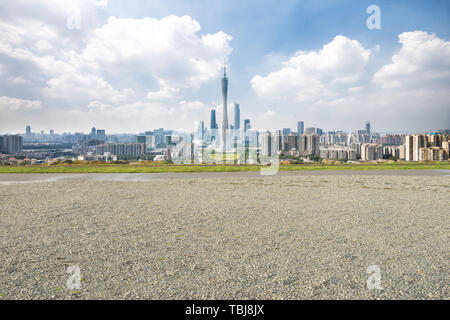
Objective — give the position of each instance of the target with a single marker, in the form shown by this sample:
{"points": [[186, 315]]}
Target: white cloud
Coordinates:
{"points": [[331, 87], [85, 86], [100, 65], [423, 61], [19, 80], [162, 94], [18, 104], [170, 49], [309, 74], [139, 116], [102, 3], [192, 105], [43, 45]]}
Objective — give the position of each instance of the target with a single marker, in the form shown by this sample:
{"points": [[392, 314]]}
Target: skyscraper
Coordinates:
{"points": [[286, 131], [247, 124], [28, 135], [368, 127], [93, 134], [213, 123], [309, 144], [101, 135], [225, 109], [300, 127], [199, 130], [11, 143], [237, 117], [418, 143], [266, 144]]}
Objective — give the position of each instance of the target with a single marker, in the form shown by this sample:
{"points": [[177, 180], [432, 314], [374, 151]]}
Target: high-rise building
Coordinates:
{"points": [[122, 149], [300, 127], [237, 117], [28, 134], [418, 142], [409, 154], [149, 141], [213, 123], [247, 124], [199, 130], [277, 141], [286, 131], [367, 127], [101, 135], [370, 151], [93, 134], [225, 109], [267, 144], [11, 143], [309, 144], [292, 141]]}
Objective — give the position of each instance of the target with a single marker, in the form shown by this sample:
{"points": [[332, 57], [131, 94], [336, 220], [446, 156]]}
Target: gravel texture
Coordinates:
{"points": [[281, 237]]}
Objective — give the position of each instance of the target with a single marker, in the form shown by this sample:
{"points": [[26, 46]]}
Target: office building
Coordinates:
{"points": [[93, 135], [247, 124], [149, 141], [237, 117], [309, 144], [266, 144], [213, 122], [121, 149], [199, 130], [300, 128], [11, 144], [367, 127], [291, 141], [225, 109], [101, 135], [418, 142], [370, 151]]}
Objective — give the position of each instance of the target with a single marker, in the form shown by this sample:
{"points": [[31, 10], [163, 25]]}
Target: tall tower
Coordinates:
{"points": [[225, 109]]}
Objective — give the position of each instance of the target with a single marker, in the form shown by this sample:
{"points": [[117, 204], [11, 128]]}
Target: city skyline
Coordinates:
{"points": [[98, 64]]}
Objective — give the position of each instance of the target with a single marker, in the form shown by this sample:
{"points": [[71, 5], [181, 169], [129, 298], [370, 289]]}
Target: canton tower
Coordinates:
{"points": [[225, 109]]}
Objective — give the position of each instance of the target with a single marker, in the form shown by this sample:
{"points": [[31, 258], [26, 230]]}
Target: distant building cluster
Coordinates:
{"points": [[11, 143], [371, 151], [122, 149], [425, 147], [338, 153]]}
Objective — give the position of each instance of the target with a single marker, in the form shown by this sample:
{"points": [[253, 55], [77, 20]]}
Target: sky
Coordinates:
{"points": [[133, 66]]}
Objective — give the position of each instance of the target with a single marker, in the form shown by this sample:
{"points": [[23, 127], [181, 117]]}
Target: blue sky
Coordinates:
{"points": [[280, 71]]}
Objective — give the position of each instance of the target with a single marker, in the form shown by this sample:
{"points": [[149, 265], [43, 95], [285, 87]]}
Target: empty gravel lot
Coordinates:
{"points": [[281, 237]]}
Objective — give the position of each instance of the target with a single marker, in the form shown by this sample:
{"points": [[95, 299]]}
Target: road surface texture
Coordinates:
{"points": [[298, 236]]}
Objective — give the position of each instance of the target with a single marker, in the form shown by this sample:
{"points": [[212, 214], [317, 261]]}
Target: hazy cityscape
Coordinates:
{"points": [[253, 146]]}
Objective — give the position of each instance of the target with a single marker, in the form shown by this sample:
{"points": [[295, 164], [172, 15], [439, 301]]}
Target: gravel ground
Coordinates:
{"points": [[282, 237]]}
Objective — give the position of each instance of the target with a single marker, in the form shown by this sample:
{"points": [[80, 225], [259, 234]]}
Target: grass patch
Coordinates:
{"points": [[160, 168]]}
